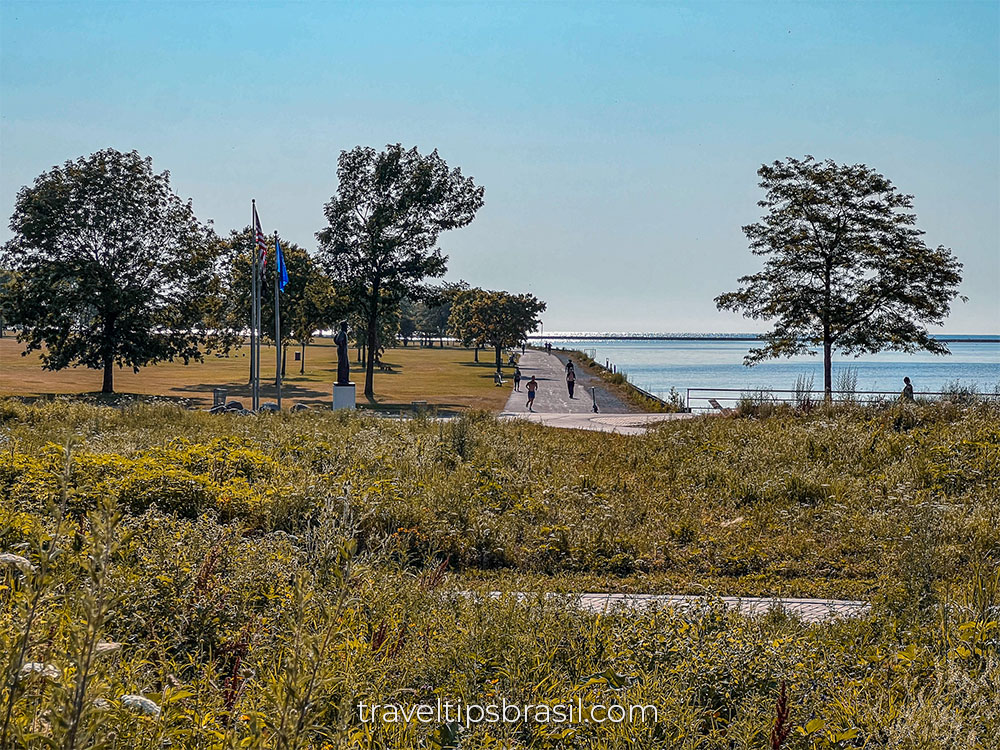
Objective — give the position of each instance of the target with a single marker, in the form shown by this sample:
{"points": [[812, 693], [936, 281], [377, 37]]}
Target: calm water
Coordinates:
{"points": [[659, 365]]}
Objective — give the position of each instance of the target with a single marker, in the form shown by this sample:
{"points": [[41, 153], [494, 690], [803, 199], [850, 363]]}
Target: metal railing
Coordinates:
{"points": [[794, 396]]}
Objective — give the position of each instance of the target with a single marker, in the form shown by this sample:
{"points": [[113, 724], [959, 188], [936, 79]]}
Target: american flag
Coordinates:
{"points": [[261, 241]]}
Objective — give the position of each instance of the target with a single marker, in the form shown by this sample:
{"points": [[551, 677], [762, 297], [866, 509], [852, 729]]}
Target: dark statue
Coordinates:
{"points": [[343, 363]]}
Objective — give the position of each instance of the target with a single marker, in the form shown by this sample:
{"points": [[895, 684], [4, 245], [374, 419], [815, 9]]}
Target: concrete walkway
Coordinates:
{"points": [[808, 610], [553, 396], [623, 424], [554, 408]]}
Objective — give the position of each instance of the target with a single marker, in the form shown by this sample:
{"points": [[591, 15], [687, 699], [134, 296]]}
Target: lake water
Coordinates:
{"points": [[657, 366]]}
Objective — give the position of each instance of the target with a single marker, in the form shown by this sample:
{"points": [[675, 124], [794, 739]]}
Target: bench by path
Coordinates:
{"points": [[808, 610]]}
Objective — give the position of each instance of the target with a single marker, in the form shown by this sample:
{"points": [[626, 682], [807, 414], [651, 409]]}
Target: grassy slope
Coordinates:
{"points": [[230, 585], [447, 379], [820, 505]]}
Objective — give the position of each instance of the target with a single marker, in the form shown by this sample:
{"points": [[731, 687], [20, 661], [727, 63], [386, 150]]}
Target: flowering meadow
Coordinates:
{"points": [[174, 579]]}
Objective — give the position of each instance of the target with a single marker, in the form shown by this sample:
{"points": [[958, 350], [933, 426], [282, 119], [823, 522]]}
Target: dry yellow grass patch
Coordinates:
{"points": [[447, 379]]}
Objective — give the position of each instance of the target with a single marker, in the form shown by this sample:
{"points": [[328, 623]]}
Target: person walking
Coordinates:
{"points": [[517, 378], [570, 379], [907, 394], [532, 387]]}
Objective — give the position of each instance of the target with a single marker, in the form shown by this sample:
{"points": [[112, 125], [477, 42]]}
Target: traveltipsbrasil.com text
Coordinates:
{"points": [[506, 713]]}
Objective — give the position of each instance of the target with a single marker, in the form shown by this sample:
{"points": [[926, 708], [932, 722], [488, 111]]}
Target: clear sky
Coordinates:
{"points": [[617, 142]]}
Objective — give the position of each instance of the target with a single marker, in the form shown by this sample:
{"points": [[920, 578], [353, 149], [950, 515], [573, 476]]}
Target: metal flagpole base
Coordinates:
{"points": [[344, 397]]}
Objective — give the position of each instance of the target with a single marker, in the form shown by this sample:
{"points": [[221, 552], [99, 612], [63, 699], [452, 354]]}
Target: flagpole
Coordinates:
{"points": [[260, 319], [253, 306], [277, 321]]}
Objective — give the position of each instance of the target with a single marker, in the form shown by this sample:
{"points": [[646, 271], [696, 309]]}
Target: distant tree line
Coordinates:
{"points": [[109, 268]]}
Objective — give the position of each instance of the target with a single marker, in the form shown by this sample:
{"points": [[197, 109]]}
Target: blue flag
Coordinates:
{"points": [[282, 271]]}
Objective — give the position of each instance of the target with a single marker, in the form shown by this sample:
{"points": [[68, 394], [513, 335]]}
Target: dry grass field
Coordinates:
{"points": [[448, 379]]}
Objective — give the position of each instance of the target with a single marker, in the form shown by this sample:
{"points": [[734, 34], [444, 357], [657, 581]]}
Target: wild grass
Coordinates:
{"points": [[176, 579]]}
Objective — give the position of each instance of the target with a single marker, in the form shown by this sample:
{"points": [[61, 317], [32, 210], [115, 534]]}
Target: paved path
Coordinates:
{"points": [[623, 424], [553, 396], [554, 408], [809, 610]]}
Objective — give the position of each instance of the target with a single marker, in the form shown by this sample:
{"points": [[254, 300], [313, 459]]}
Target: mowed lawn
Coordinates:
{"points": [[447, 379]]}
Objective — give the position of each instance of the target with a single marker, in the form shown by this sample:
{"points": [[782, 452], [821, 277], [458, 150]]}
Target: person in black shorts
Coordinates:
{"points": [[517, 378]]}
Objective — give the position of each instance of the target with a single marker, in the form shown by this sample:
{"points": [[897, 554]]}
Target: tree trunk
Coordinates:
{"points": [[477, 353], [109, 376], [827, 368], [302, 367], [498, 356], [827, 337], [372, 344]]}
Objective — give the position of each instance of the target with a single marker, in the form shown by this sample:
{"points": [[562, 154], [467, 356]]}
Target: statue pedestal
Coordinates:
{"points": [[343, 396]]}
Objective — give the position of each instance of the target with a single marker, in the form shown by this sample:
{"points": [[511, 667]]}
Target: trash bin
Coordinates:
{"points": [[219, 396]]}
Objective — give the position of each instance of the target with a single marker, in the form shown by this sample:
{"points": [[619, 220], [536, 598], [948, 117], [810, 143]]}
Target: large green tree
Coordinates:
{"points": [[383, 226], [845, 268], [464, 323], [112, 268], [499, 320]]}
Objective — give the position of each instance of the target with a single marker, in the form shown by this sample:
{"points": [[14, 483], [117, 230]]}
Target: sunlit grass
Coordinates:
{"points": [[264, 575]]}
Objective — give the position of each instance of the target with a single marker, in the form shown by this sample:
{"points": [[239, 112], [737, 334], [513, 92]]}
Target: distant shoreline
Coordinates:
{"points": [[953, 339]]}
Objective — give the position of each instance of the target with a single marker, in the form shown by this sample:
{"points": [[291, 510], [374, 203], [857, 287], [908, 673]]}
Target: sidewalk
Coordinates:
{"points": [[554, 408], [809, 610], [553, 396], [623, 424]]}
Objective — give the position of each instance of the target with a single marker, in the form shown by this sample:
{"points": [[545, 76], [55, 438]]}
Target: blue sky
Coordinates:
{"points": [[617, 142]]}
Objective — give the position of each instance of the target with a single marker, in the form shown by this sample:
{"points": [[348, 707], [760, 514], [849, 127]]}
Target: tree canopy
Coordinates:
{"points": [[111, 267], [309, 301], [383, 226], [500, 320], [845, 267]]}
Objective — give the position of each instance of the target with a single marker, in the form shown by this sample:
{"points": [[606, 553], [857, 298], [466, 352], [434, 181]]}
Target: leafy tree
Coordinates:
{"points": [[388, 329], [6, 298], [319, 307], [408, 310], [463, 322], [383, 227], [308, 301], [845, 268], [498, 319], [112, 268], [435, 308]]}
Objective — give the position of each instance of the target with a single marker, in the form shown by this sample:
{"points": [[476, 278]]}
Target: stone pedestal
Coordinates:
{"points": [[343, 397]]}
